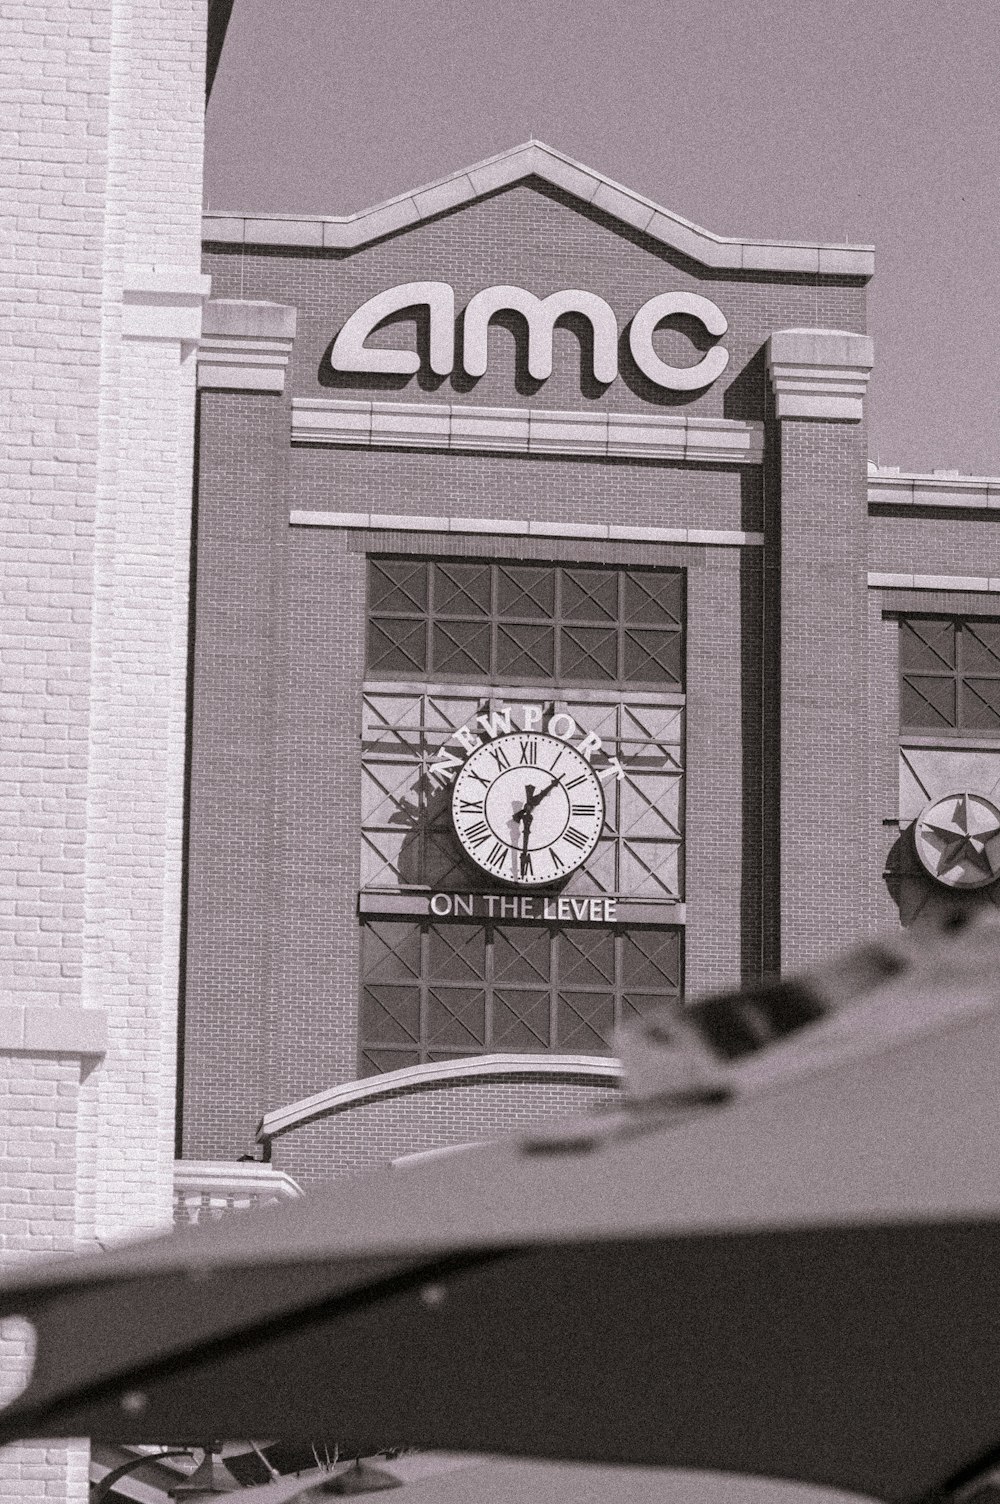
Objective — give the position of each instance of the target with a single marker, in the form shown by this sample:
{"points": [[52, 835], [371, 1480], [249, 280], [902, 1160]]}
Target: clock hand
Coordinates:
{"points": [[526, 818], [536, 799]]}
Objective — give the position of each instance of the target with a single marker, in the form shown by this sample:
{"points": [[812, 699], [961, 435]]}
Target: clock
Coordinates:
{"points": [[527, 808]]}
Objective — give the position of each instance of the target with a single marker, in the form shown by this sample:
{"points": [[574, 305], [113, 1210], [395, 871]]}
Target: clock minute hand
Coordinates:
{"points": [[525, 818], [537, 798]]}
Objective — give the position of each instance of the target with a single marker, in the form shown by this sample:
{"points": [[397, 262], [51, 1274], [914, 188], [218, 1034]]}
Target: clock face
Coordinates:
{"points": [[527, 808]]}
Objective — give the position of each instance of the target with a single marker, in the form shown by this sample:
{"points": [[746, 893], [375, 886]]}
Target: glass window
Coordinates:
{"points": [[440, 991], [949, 674], [525, 623]]}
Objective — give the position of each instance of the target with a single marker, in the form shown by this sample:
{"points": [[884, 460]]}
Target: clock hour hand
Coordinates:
{"points": [[536, 799], [531, 799]]}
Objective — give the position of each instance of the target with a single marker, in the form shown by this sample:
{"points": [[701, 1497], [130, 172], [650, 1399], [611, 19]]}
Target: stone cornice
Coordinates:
{"points": [[36, 1030], [535, 159], [245, 346], [890, 486], [527, 430], [819, 373], [507, 527], [163, 303], [979, 584]]}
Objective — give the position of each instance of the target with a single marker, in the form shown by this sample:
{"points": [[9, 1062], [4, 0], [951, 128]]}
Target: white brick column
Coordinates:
{"points": [[100, 253]]}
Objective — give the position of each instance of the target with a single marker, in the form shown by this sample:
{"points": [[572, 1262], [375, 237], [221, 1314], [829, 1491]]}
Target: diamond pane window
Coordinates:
{"points": [[482, 989], [654, 599], [653, 656], [397, 585], [980, 704], [455, 1017], [461, 589], [391, 1014], [981, 647], [461, 650], [525, 650], [589, 653], [586, 1022], [526, 591], [590, 594], [397, 647], [926, 645], [512, 623], [949, 674]]}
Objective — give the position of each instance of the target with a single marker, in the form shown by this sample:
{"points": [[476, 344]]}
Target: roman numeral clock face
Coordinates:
{"points": [[527, 808]]}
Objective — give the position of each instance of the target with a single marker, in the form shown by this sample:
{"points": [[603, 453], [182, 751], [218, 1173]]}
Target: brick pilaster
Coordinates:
{"points": [[828, 852], [716, 787], [242, 535]]}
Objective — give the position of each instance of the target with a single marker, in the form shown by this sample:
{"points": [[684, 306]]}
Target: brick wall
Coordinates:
{"points": [[933, 544], [370, 1137], [102, 186], [272, 978]]}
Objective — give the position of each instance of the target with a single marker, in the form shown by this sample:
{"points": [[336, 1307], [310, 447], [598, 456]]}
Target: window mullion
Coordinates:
{"points": [[620, 661], [429, 621], [488, 978], [554, 962], [423, 1030]]}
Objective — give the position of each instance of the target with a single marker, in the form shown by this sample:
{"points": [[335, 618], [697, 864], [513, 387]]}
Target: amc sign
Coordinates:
{"points": [[350, 353]]}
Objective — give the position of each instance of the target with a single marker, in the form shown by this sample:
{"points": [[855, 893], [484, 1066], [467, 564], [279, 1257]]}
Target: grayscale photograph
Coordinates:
{"points": [[500, 756]]}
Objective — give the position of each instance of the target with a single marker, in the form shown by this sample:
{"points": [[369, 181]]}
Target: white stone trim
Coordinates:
{"points": [[163, 302], [988, 583], [891, 486], [526, 430], [508, 527], [248, 365], [245, 345], [534, 158], [819, 373], [216, 1177], [445, 1073], [53, 1031]]}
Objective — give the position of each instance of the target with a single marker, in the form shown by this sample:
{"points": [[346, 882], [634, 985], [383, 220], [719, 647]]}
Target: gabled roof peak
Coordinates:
{"points": [[535, 159]]}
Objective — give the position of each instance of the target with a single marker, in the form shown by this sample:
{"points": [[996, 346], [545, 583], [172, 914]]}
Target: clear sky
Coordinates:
{"points": [[860, 120]]}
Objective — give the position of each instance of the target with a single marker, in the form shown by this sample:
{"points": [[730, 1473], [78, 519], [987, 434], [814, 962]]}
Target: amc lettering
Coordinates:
{"points": [[350, 353]]}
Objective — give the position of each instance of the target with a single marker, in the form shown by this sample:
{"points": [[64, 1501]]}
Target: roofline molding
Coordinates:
{"points": [[535, 159], [602, 1070], [888, 485]]}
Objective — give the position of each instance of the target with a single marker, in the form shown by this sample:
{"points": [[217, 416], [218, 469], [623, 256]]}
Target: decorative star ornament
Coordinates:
{"points": [[958, 840]]}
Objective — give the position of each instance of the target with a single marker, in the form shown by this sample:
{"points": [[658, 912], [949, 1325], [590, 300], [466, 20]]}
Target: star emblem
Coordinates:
{"points": [[958, 840]]}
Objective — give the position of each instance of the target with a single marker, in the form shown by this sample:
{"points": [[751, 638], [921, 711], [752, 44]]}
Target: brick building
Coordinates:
{"points": [[516, 486], [517, 456]]}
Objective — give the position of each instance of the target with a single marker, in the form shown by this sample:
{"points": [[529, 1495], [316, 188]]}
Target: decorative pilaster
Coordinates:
{"points": [[242, 534], [828, 865], [819, 373]]}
